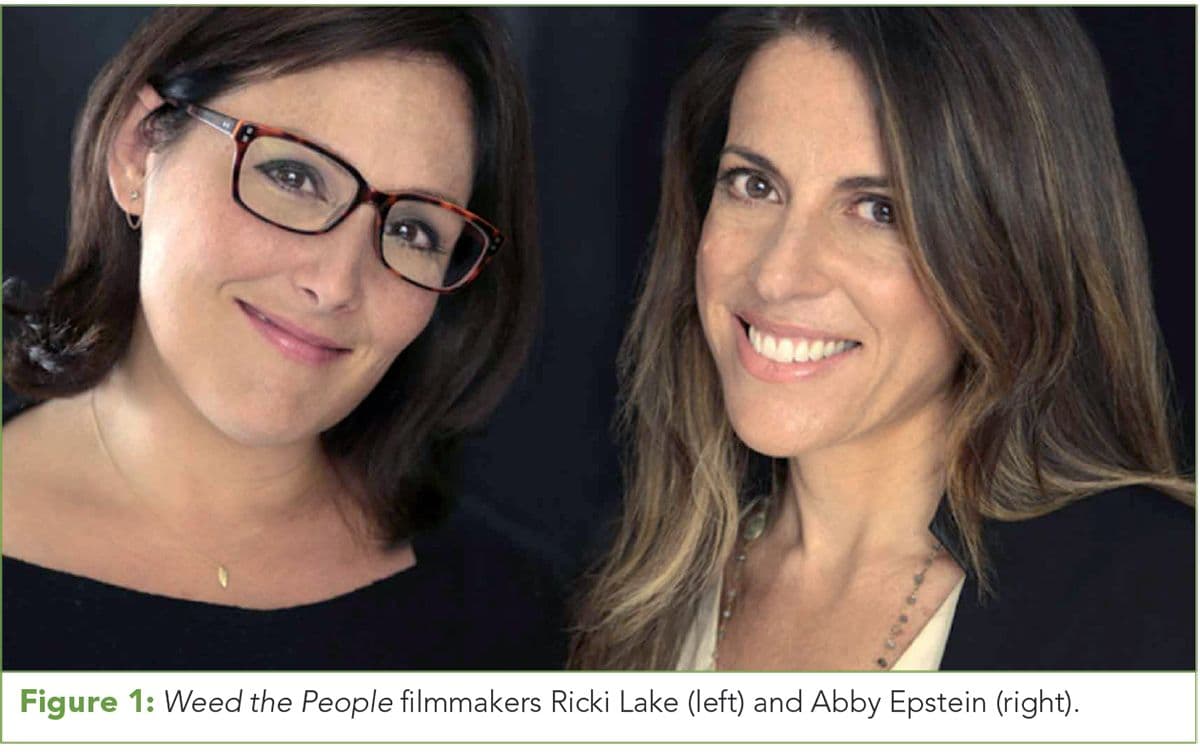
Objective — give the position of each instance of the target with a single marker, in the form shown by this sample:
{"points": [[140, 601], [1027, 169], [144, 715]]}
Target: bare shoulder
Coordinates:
{"points": [[48, 461]]}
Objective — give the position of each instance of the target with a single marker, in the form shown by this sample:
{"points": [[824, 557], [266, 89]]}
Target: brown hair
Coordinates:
{"points": [[1026, 238], [401, 438]]}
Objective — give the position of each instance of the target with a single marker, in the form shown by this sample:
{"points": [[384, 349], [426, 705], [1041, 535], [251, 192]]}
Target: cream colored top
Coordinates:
{"points": [[923, 654]]}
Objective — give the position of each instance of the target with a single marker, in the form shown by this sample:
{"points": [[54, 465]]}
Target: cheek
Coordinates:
{"points": [[398, 315], [725, 259], [715, 265], [729, 248], [940, 351], [704, 272], [920, 338], [193, 231], [707, 282], [872, 258]]}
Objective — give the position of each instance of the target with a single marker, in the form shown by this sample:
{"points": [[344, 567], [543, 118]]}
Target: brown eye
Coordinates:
{"points": [[749, 185], [757, 186], [413, 234], [876, 209], [293, 177]]}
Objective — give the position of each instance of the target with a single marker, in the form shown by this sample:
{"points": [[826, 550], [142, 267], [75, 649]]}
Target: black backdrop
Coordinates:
{"points": [[546, 468]]}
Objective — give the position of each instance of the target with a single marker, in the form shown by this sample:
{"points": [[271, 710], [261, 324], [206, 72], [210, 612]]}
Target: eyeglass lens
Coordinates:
{"points": [[293, 185]]}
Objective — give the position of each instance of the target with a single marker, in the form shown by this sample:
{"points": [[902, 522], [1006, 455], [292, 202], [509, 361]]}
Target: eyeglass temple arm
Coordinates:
{"points": [[211, 118]]}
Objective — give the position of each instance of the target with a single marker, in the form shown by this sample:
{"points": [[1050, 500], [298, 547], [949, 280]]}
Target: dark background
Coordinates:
{"points": [[546, 469]]}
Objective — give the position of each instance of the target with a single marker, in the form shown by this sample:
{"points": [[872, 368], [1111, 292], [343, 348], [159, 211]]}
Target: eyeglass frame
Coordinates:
{"points": [[244, 132]]}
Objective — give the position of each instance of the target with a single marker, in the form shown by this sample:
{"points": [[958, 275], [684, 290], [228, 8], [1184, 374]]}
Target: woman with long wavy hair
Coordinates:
{"points": [[894, 394]]}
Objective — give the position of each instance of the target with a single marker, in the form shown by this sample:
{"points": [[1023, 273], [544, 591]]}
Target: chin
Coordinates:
{"points": [[774, 430], [263, 425], [267, 414], [771, 445], [264, 434]]}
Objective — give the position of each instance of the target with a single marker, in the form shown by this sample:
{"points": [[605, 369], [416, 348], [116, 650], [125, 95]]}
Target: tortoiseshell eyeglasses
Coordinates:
{"points": [[294, 184]]}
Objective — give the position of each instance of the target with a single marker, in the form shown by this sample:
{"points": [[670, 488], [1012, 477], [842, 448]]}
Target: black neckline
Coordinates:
{"points": [[425, 563]]}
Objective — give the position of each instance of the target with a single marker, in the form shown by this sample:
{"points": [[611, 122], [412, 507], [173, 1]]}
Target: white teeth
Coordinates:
{"points": [[783, 351], [768, 347], [801, 353], [798, 350]]}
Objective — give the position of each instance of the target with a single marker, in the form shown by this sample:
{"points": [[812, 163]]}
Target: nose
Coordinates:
{"points": [[330, 272], [792, 260]]}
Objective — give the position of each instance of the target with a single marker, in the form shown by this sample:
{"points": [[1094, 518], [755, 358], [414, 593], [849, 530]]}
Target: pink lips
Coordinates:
{"points": [[774, 372], [785, 330], [292, 341]]}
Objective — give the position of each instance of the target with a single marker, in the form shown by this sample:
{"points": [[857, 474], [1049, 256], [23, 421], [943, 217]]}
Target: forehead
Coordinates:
{"points": [[805, 103], [402, 122]]}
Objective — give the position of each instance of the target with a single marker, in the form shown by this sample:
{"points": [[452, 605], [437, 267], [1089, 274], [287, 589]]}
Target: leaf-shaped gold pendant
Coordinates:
{"points": [[223, 576]]}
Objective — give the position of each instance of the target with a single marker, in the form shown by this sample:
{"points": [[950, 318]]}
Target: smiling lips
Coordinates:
{"points": [[774, 356], [795, 349], [293, 341]]}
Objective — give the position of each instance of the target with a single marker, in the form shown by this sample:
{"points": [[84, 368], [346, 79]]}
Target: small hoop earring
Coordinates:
{"points": [[133, 220]]}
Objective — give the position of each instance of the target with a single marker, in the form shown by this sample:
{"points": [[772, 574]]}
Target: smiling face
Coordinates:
{"points": [[815, 319], [274, 336]]}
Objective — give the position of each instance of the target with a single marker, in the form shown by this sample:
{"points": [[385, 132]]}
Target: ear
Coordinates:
{"points": [[128, 156]]}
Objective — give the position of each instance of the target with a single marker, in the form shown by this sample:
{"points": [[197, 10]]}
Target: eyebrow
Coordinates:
{"points": [[752, 157], [853, 183], [860, 182], [430, 192]]}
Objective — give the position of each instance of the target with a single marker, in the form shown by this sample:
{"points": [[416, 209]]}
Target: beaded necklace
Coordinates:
{"points": [[753, 526]]}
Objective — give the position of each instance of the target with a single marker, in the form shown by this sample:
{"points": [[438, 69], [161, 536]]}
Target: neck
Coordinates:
{"points": [[170, 456], [876, 495]]}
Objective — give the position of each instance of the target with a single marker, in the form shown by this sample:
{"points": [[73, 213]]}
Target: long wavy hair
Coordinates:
{"points": [[400, 442], [1025, 236]]}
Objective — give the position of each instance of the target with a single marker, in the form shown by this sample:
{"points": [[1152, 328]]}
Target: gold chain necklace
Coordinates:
{"points": [[753, 528], [222, 570]]}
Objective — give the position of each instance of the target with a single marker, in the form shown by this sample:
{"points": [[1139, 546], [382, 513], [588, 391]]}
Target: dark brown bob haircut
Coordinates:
{"points": [[1025, 237], [401, 440]]}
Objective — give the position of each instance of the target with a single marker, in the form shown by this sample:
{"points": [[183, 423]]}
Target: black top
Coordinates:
{"points": [[474, 600], [1108, 583]]}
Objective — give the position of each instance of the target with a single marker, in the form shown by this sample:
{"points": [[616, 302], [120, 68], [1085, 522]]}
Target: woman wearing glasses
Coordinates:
{"points": [[301, 263], [894, 387]]}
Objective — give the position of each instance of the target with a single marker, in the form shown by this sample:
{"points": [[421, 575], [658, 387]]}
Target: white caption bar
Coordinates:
{"points": [[604, 707]]}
